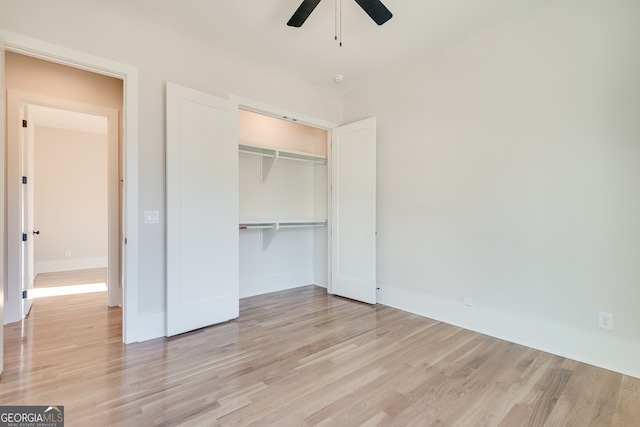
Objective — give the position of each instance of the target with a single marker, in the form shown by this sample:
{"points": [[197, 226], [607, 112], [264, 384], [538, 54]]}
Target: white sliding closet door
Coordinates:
{"points": [[202, 210], [353, 181]]}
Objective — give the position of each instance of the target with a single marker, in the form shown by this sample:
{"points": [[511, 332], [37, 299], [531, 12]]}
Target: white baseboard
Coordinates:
{"points": [[71, 264], [597, 348]]}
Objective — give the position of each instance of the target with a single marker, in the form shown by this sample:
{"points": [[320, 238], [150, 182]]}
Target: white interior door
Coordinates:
{"points": [[353, 204], [202, 210], [27, 202]]}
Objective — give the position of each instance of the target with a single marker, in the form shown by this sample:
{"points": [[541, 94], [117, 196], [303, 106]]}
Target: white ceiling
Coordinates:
{"points": [[257, 29]]}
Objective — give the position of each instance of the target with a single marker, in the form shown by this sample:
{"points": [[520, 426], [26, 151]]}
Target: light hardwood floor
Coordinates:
{"points": [[69, 278], [297, 358]]}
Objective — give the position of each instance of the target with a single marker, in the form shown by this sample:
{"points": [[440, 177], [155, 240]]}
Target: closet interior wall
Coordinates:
{"points": [[283, 209]]}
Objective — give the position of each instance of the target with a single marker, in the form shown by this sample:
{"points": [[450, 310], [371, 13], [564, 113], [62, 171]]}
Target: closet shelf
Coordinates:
{"points": [[270, 156], [278, 223], [269, 228]]}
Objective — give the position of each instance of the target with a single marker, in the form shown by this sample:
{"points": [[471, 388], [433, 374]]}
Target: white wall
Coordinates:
{"points": [[70, 199], [160, 55], [508, 173]]}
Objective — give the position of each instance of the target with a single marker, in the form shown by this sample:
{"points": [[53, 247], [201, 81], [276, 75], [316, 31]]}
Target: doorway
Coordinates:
{"points": [[67, 208], [351, 205], [31, 112], [134, 328]]}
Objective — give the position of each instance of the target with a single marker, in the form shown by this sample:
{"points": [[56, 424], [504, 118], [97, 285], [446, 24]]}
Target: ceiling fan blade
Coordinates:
{"points": [[302, 13], [376, 10]]}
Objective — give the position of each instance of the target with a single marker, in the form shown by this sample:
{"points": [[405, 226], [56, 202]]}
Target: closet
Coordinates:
{"points": [[250, 209], [283, 208]]}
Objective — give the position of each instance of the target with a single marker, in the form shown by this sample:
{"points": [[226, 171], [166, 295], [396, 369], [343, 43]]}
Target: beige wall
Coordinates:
{"points": [[32, 75], [53, 84], [70, 199], [258, 129], [36, 76]]}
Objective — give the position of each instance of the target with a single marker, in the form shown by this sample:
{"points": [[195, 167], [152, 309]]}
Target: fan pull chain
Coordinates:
{"points": [[339, 23]]}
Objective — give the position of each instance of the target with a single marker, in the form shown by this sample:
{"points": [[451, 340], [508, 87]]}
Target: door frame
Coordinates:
{"points": [[131, 327], [3, 279], [282, 113]]}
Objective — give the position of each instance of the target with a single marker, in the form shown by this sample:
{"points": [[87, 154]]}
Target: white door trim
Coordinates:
{"points": [[31, 47], [2, 197], [281, 113]]}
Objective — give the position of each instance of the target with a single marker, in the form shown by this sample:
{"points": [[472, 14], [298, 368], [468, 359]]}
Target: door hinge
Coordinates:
{"points": [[24, 179], [24, 123], [24, 294], [24, 237]]}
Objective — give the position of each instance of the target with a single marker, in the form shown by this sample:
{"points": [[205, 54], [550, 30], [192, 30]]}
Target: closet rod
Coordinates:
{"points": [[301, 225], [281, 225]]}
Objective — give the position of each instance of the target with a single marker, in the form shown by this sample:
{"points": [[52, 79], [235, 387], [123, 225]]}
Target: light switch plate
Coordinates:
{"points": [[152, 217]]}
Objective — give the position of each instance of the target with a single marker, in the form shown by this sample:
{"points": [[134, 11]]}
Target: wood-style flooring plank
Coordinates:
{"points": [[75, 277], [628, 409], [298, 358]]}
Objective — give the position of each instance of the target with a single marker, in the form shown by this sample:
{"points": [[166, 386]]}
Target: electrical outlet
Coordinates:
{"points": [[468, 301], [68, 253], [605, 320]]}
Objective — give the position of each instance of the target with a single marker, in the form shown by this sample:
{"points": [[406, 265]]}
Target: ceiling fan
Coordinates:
{"points": [[374, 8]]}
